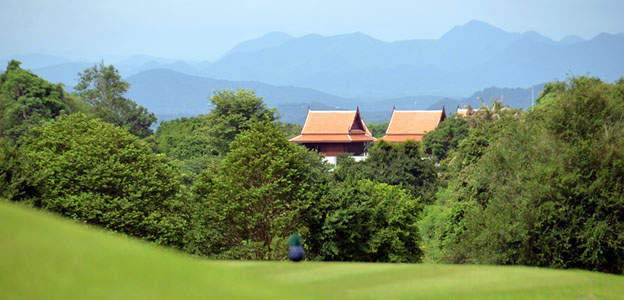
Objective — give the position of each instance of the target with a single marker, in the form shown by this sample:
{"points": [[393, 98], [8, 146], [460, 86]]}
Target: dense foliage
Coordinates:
{"points": [[369, 221], [502, 186], [26, 100], [257, 197], [103, 89], [445, 137], [545, 189], [377, 129], [400, 164], [234, 112], [203, 140], [100, 174]]}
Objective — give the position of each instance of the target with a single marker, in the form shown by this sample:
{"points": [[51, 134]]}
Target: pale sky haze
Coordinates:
{"points": [[204, 30]]}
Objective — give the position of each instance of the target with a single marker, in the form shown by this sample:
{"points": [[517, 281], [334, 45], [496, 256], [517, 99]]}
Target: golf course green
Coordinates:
{"points": [[43, 256]]}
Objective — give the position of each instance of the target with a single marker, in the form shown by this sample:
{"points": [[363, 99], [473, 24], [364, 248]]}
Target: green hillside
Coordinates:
{"points": [[43, 256]]}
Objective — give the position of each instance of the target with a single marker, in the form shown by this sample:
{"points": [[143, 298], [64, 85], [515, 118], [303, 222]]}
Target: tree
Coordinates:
{"points": [[291, 130], [445, 137], [234, 112], [547, 190], [378, 129], [27, 100], [400, 164], [103, 89], [98, 173], [185, 141], [371, 222], [256, 199]]}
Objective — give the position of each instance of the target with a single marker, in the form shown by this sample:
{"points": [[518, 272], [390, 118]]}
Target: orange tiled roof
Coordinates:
{"points": [[321, 138], [412, 124], [397, 138], [334, 126]]}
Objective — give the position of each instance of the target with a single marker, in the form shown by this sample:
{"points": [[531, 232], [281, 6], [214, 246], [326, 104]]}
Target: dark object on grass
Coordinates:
{"points": [[295, 251]]}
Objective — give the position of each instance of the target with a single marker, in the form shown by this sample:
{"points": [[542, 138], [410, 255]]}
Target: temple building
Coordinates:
{"points": [[412, 124], [464, 111], [335, 132]]}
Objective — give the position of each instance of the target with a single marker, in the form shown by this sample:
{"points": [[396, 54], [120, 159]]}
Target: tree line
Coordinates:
{"points": [[504, 186]]}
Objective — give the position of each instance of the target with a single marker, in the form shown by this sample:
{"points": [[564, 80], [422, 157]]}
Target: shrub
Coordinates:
{"points": [[373, 222], [101, 174]]}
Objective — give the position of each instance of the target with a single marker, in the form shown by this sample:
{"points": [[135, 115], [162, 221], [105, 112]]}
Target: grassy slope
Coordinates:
{"points": [[45, 257]]}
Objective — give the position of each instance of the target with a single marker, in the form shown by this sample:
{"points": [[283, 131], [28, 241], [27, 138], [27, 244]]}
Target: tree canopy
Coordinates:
{"points": [[370, 221], [233, 112], [27, 100], [258, 195], [445, 137], [546, 189], [95, 172], [103, 89]]}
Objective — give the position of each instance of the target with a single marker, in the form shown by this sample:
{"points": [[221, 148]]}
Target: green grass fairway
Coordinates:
{"points": [[43, 256]]}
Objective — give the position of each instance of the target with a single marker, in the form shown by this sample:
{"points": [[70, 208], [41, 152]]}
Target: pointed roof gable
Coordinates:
{"points": [[334, 126], [412, 124]]}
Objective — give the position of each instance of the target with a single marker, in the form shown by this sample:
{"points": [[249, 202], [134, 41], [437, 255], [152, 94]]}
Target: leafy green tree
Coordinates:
{"points": [[185, 141], [95, 172], [399, 164], [27, 100], [11, 179], [256, 199], [103, 89], [547, 190], [378, 129], [234, 112], [445, 137], [371, 222], [291, 130]]}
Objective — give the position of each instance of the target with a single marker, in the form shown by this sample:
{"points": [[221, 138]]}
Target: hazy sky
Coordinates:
{"points": [[204, 30]]}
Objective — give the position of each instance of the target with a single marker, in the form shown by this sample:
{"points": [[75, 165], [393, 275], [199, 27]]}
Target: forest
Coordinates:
{"points": [[542, 187]]}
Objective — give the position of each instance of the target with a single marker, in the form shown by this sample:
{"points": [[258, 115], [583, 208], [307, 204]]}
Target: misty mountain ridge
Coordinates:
{"points": [[346, 70], [468, 57], [172, 95], [169, 94]]}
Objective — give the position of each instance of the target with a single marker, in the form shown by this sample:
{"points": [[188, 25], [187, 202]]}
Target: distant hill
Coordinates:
{"points": [[269, 40], [514, 97], [32, 61], [467, 58], [571, 39], [172, 94], [347, 70], [67, 73]]}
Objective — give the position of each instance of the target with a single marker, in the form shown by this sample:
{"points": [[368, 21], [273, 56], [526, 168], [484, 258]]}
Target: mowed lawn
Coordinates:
{"points": [[43, 256]]}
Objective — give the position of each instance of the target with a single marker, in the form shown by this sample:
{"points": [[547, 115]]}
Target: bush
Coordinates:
{"points": [[397, 164], [261, 193], [547, 189], [98, 173], [373, 222]]}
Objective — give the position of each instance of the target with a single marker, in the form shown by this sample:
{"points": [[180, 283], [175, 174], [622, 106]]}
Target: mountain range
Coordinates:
{"points": [[467, 58], [171, 94], [346, 70]]}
